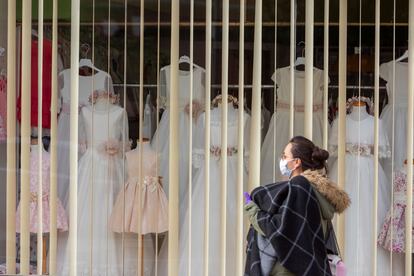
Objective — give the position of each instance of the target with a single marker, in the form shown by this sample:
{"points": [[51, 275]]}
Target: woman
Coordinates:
{"points": [[291, 220]]}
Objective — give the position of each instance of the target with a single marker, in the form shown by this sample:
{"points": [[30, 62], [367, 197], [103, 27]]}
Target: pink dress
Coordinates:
{"points": [[154, 203], [62, 220], [392, 235]]}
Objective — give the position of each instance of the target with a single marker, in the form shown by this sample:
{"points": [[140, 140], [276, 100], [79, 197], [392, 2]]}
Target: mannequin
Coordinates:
{"points": [[100, 177], [359, 111], [215, 185], [154, 212], [359, 184], [147, 197], [98, 81]]}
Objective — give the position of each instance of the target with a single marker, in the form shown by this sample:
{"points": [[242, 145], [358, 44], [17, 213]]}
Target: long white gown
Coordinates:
{"points": [[100, 178], [359, 184], [87, 84], [278, 134], [398, 90], [198, 202], [160, 141]]}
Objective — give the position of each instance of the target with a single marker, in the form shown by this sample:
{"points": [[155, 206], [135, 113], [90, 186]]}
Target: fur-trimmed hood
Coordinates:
{"points": [[337, 197]]}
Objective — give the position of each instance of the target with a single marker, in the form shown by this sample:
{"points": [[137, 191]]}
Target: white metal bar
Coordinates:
{"points": [[292, 66], [174, 143], [140, 137], [74, 116], [190, 137], [224, 112], [410, 132], [25, 137], [376, 131], [255, 127], [342, 109], [11, 139], [39, 255], [53, 149], [325, 74], [308, 122], [207, 139], [240, 146]]}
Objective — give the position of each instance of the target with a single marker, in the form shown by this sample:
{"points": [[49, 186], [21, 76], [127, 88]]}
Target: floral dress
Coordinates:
{"points": [[392, 235]]}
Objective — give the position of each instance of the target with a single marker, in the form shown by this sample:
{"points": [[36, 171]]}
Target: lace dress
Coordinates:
{"points": [[100, 179], [392, 235], [198, 202], [62, 219], [100, 81], [359, 184]]}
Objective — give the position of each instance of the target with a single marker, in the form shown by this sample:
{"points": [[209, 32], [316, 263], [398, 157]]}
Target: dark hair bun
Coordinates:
{"points": [[319, 156], [312, 157]]}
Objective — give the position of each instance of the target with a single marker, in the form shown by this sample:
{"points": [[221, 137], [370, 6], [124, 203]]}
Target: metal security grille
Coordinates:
{"points": [[239, 44]]}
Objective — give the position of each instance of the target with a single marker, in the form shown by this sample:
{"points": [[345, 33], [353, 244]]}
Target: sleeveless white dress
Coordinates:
{"points": [[278, 134]]}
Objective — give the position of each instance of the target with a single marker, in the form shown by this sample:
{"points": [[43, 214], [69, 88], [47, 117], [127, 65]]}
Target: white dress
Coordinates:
{"points": [[160, 141], [100, 178], [150, 119], [278, 134], [400, 94], [198, 202], [359, 184], [101, 80]]}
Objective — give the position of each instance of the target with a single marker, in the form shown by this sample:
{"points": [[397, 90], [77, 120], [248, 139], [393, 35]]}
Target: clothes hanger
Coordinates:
{"points": [[301, 59], [186, 59], [403, 57], [86, 62]]}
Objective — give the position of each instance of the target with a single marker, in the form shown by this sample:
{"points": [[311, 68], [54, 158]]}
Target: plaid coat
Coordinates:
{"points": [[290, 219]]}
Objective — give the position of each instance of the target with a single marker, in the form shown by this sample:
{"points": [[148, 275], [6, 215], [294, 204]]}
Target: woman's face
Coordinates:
{"points": [[293, 163]]}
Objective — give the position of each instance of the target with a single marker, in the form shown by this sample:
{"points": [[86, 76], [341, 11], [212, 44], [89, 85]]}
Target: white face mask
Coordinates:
{"points": [[283, 166]]}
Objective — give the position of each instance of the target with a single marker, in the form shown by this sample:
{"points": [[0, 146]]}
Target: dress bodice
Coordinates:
{"points": [[104, 128], [216, 132], [149, 159], [34, 171], [360, 137], [87, 84], [399, 88], [184, 86], [282, 79]]}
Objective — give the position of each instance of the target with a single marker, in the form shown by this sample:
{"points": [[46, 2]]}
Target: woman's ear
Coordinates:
{"points": [[298, 163]]}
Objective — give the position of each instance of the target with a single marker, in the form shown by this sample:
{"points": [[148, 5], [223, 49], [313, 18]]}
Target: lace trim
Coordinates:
{"points": [[366, 150]]}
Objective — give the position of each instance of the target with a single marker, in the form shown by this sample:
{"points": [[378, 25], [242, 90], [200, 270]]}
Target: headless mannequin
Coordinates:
{"points": [[230, 106], [359, 112], [102, 104]]}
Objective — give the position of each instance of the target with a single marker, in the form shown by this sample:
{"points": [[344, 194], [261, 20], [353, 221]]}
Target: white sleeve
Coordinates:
{"points": [[333, 139], [109, 86], [384, 71], [384, 150], [199, 142], [247, 122], [163, 88]]}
